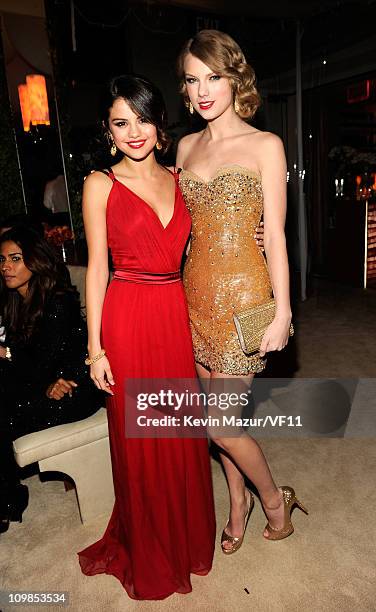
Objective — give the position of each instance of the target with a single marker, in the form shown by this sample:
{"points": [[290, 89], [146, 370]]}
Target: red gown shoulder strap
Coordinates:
{"points": [[108, 172], [174, 172]]}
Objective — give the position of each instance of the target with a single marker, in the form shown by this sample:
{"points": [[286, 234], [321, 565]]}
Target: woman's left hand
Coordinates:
{"points": [[276, 336], [58, 389], [2, 352]]}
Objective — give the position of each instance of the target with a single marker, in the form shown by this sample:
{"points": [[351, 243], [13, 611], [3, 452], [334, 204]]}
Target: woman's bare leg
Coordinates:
{"points": [[238, 499], [235, 481], [245, 456]]}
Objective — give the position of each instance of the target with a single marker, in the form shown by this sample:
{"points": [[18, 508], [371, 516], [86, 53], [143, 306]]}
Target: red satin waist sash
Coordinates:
{"points": [[147, 278]]}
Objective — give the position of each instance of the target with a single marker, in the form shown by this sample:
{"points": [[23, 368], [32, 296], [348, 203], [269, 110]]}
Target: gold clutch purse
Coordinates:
{"points": [[251, 325]]}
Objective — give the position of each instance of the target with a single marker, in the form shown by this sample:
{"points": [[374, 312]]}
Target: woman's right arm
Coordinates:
{"points": [[94, 202]]}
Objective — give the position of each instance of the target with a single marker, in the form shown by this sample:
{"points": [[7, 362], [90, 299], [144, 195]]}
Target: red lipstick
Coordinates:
{"points": [[136, 144], [206, 105]]}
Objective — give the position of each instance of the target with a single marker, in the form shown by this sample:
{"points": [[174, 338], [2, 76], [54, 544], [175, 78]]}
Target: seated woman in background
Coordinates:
{"points": [[43, 377]]}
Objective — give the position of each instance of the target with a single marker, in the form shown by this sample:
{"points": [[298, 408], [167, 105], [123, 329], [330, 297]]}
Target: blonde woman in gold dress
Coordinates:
{"points": [[231, 174]]}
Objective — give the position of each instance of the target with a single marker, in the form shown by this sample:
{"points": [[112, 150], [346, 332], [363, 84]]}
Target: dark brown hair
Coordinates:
{"points": [[224, 56], [49, 276], [145, 100]]}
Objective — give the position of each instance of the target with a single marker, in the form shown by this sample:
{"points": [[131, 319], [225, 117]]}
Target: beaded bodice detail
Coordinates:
{"points": [[225, 270], [225, 210]]}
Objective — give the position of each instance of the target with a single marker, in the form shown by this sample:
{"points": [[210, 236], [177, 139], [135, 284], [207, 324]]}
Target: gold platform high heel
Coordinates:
{"points": [[237, 542], [289, 501]]}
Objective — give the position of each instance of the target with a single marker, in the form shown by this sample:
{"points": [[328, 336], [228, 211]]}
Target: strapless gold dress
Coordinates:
{"points": [[225, 271]]}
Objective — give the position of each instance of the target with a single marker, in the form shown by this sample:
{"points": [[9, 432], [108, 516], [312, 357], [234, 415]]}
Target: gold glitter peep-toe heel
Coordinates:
{"points": [[289, 501], [234, 541]]}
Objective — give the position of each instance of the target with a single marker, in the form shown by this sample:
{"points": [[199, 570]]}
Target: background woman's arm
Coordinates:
{"points": [[51, 352]]}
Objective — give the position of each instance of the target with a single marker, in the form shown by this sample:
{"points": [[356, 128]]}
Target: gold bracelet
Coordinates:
{"points": [[89, 361], [8, 354]]}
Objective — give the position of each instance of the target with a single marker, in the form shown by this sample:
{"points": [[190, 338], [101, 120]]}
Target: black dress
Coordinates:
{"points": [[56, 349]]}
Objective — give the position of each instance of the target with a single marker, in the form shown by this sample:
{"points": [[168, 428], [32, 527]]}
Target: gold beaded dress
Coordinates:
{"points": [[225, 271]]}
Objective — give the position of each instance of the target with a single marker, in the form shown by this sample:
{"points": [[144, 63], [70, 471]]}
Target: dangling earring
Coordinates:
{"points": [[189, 106], [113, 149], [236, 106], [158, 146]]}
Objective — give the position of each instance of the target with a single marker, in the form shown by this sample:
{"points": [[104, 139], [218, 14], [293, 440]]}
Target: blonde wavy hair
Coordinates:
{"points": [[224, 56]]}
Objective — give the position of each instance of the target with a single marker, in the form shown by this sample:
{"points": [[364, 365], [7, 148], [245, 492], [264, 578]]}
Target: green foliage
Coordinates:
{"points": [[347, 159]]}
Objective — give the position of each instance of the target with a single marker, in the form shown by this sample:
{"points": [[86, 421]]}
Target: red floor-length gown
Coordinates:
{"points": [[162, 527]]}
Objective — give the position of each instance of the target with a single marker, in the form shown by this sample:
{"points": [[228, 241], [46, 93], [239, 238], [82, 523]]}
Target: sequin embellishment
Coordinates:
{"points": [[225, 270]]}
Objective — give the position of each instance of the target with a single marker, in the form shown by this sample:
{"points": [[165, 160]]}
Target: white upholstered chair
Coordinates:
{"points": [[79, 450]]}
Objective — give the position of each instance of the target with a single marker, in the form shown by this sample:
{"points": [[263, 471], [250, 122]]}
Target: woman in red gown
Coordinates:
{"points": [[162, 527]]}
